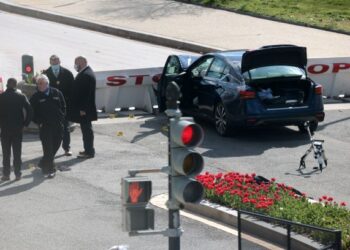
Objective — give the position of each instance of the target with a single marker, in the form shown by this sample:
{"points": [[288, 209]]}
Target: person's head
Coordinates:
{"points": [[79, 63], [55, 62], [42, 82], [11, 83]]}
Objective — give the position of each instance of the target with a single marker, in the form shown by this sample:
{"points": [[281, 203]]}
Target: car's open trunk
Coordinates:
{"points": [[282, 93]]}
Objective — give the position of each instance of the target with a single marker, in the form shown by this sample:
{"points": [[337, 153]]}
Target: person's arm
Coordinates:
{"points": [[85, 93], [62, 102], [33, 102], [29, 111]]}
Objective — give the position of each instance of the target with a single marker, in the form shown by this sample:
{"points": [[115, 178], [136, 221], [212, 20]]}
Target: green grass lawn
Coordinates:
{"points": [[328, 14]]}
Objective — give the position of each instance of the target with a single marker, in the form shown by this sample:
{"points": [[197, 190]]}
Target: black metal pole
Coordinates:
{"points": [[288, 237], [174, 215], [338, 240], [239, 231]]}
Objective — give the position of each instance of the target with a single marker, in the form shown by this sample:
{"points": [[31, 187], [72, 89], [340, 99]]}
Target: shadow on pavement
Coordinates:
{"points": [[35, 175], [156, 125], [323, 125], [251, 141], [149, 10]]}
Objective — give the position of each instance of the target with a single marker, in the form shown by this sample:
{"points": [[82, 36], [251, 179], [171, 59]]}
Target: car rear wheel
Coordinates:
{"points": [[222, 125], [313, 127]]}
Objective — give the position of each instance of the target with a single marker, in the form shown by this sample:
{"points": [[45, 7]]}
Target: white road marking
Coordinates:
{"points": [[160, 200], [337, 106]]}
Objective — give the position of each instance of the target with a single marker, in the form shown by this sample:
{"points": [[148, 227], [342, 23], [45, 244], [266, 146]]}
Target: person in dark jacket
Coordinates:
{"points": [[61, 79], [49, 113], [83, 104], [12, 121]]}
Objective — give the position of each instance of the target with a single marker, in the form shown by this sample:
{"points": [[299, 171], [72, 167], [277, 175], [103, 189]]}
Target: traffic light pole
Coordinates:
{"points": [[174, 214]]}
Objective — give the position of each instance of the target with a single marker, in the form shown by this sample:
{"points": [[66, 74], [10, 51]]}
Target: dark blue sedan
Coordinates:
{"points": [[236, 89]]}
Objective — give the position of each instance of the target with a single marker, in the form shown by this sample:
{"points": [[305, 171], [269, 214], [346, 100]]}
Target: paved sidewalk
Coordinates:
{"points": [[194, 24]]}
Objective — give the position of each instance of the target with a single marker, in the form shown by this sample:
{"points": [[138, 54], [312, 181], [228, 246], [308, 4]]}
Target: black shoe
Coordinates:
{"points": [[18, 177], [5, 178], [85, 156]]}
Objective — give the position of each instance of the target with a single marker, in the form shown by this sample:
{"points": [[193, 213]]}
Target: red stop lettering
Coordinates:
{"points": [[116, 80], [340, 66], [156, 78], [323, 68], [139, 79]]}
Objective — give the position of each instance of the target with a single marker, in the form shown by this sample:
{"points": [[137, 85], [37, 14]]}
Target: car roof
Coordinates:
{"points": [[231, 55]]}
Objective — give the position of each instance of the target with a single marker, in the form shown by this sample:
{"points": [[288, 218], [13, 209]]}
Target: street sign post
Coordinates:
{"points": [[184, 162]]}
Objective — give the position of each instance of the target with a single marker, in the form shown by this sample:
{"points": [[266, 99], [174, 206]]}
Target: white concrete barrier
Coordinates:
{"points": [[127, 88], [332, 73], [135, 87], [1, 85]]}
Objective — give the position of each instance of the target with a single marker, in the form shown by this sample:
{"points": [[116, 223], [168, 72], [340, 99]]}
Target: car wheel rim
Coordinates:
{"points": [[220, 119]]}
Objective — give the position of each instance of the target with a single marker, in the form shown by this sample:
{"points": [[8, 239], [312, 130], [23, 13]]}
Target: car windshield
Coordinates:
{"points": [[274, 72]]}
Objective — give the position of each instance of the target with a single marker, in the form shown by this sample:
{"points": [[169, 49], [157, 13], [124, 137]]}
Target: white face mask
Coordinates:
{"points": [[76, 67], [55, 67]]}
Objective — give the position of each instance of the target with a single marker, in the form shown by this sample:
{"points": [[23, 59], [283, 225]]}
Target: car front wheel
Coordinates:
{"points": [[222, 124]]}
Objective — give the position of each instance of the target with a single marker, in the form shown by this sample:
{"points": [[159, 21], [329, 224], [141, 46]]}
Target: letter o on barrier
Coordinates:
{"points": [[318, 68], [156, 78]]}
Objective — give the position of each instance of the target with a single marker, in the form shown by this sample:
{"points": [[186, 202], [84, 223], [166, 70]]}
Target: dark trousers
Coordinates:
{"points": [[88, 137], [51, 138], [66, 136], [11, 138]]}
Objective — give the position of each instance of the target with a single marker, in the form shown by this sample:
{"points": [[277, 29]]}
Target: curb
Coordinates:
{"points": [[107, 29], [252, 226]]}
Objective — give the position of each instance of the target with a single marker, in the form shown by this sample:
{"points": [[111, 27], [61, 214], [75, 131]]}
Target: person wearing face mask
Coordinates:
{"points": [[49, 113], [62, 79], [83, 104]]}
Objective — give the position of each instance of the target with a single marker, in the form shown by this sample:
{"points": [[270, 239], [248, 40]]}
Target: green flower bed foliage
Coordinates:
{"points": [[242, 191], [328, 14]]}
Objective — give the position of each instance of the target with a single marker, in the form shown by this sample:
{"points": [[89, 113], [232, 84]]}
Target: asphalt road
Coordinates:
{"points": [[24, 35], [80, 208], [270, 152]]}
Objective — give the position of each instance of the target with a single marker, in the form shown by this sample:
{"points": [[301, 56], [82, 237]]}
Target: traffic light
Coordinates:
{"points": [[136, 193], [27, 67], [185, 162]]}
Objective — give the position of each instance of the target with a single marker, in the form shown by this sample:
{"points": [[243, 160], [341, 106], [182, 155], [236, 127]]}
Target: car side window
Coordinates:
{"points": [[217, 69], [173, 66], [204, 65]]}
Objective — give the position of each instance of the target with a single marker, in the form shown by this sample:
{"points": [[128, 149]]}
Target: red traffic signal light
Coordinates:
{"points": [[186, 133], [28, 69], [184, 161]]}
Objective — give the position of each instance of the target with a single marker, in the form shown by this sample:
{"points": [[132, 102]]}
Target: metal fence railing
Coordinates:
{"points": [[286, 234]]}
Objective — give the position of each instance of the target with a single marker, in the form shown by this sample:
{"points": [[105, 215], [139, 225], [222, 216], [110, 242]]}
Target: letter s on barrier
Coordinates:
{"points": [[312, 68], [340, 66], [116, 80]]}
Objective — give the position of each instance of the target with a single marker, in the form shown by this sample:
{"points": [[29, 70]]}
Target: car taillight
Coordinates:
{"points": [[246, 94], [318, 90]]}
